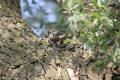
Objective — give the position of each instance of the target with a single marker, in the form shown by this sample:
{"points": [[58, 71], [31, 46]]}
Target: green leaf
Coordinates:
{"points": [[63, 1], [70, 4], [105, 48], [95, 14], [76, 6], [119, 64], [114, 59], [95, 4], [89, 48], [107, 21], [117, 52], [101, 3], [68, 40], [118, 77]]}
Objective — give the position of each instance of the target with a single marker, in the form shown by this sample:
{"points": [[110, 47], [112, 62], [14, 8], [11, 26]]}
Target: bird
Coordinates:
{"points": [[56, 36]]}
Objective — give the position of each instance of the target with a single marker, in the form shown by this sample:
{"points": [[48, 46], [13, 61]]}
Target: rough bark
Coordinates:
{"points": [[20, 48], [25, 56]]}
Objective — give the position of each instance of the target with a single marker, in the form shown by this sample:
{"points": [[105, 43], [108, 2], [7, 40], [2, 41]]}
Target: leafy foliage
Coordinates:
{"points": [[99, 28]]}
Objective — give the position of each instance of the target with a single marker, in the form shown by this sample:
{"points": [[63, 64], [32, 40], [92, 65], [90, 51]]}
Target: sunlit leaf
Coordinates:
{"points": [[68, 40], [89, 48], [114, 59], [101, 3], [95, 4], [107, 21], [97, 25], [70, 2], [117, 51], [76, 6], [63, 1]]}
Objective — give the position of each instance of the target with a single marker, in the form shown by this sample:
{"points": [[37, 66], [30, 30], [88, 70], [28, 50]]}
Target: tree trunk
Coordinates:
{"points": [[20, 48], [25, 56]]}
